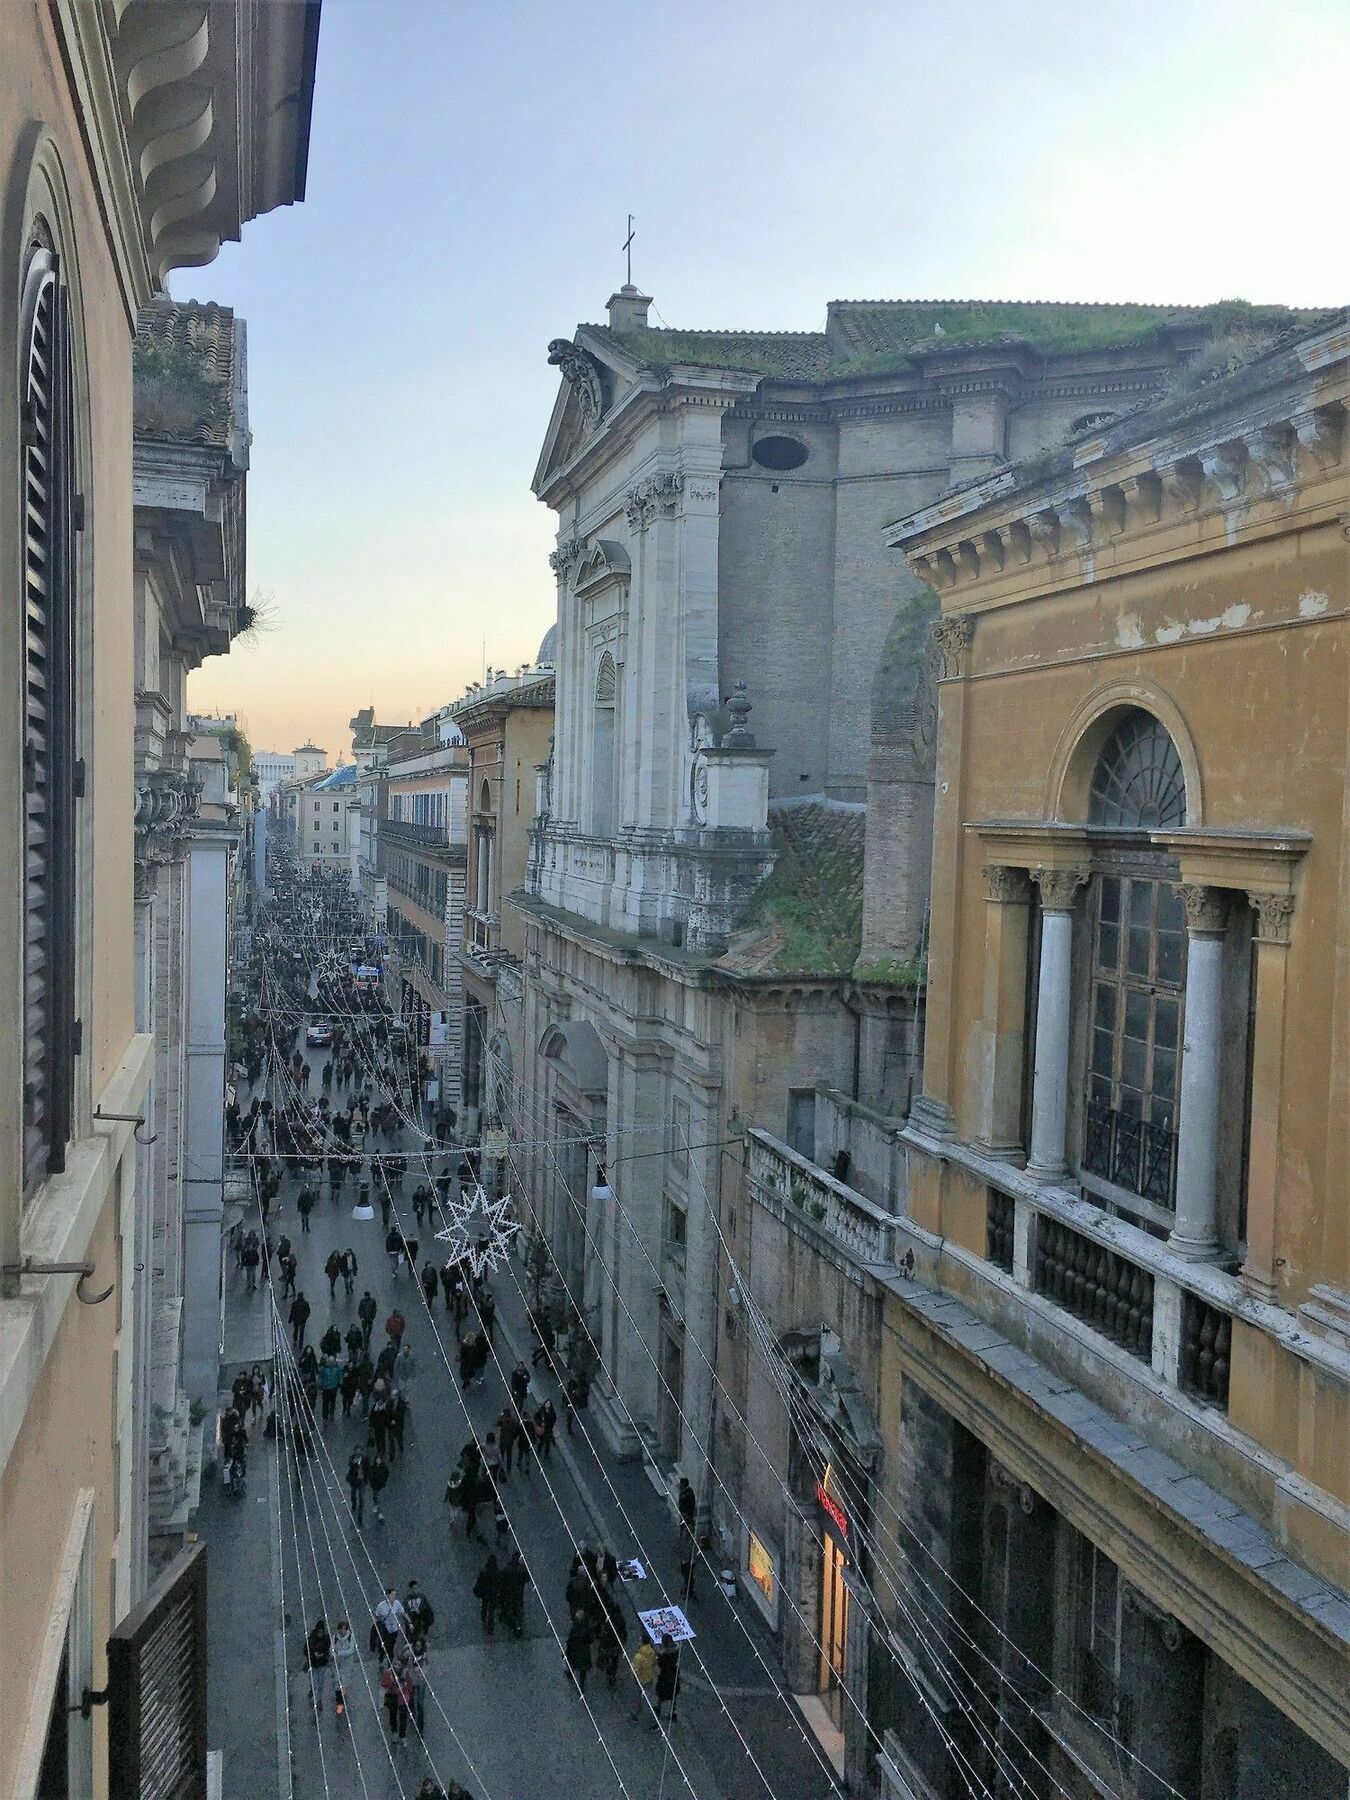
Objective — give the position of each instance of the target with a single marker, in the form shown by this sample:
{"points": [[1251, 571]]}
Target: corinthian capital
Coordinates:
{"points": [[951, 635], [1206, 908], [1274, 916], [1058, 887]]}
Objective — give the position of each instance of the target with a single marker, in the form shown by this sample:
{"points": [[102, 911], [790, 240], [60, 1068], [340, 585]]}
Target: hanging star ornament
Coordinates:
{"points": [[480, 1231]]}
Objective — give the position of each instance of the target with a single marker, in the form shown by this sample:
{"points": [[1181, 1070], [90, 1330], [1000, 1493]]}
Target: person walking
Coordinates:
{"points": [[355, 1341], [667, 1679], [520, 1385], [421, 1617], [258, 1393], [288, 1266], [449, 1279], [344, 1655], [492, 1459], [390, 1621], [330, 1344], [332, 1268], [611, 1638], [393, 1245], [395, 1325], [487, 1591], [578, 1650], [356, 1481], [548, 1419], [330, 1380], [398, 1419], [349, 1270], [299, 1318], [349, 1386], [487, 1312], [305, 1204], [394, 1686], [367, 1311], [377, 1474], [377, 1416], [514, 1580], [251, 1256], [318, 1655], [687, 1502], [430, 1283], [508, 1435]]}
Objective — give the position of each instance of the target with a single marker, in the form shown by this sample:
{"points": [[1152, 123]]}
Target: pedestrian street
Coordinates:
{"points": [[499, 1715]]}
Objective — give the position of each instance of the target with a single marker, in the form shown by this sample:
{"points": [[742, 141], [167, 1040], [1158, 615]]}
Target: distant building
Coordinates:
{"points": [[423, 835], [307, 760], [270, 769], [507, 724], [328, 822]]}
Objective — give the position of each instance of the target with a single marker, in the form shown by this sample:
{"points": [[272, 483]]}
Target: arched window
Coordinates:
{"points": [[1137, 970], [51, 774], [1138, 782], [602, 747]]}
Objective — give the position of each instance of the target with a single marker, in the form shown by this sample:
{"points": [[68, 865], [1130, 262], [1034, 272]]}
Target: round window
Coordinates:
{"points": [[779, 453]]}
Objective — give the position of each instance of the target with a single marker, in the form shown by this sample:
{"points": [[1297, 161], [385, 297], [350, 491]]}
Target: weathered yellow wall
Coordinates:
{"points": [[1260, 678]]}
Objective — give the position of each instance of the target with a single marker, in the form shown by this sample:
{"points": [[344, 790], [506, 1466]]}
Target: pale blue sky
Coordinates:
{"points": [[470, 169]]}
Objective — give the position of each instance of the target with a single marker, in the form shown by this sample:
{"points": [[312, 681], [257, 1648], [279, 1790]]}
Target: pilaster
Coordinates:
{"points": [[1274, 915], [1007, 912]]}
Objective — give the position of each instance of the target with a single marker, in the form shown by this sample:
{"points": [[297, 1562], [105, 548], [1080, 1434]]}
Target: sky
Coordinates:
{"points": [[471, 168]]}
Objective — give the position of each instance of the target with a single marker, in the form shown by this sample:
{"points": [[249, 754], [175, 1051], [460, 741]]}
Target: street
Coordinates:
{"points": [[500, 1716]]}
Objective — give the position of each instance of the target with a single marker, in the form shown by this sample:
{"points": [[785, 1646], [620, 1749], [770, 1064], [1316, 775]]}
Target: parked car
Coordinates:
{"points": [[319, 1037]]}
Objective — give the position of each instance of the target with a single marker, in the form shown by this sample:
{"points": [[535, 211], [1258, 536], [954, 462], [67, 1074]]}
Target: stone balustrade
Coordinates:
{"points": [[865, 1231]]}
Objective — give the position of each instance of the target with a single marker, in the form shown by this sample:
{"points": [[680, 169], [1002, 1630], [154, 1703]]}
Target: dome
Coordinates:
{"points": [[548, 646]]}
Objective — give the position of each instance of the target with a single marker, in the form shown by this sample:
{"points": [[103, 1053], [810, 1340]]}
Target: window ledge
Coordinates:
{"points": [[57, 1228]]}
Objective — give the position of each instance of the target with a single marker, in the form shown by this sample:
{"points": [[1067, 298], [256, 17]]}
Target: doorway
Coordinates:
{"points": [[834, 1599], [669, 1400]]}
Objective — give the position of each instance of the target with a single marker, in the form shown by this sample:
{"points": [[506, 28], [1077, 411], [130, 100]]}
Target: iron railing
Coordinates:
{"points": [[1131, 1153]]}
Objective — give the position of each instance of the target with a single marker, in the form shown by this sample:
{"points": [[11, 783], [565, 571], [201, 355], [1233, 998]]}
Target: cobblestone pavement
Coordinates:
{"points": [[500, 1715]]}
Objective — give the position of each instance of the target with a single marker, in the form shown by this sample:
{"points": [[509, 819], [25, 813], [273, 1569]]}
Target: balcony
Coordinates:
{"points": [[417, 837], [778, 1174]]}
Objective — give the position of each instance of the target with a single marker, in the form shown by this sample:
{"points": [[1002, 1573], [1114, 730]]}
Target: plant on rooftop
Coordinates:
{"points": [[892, 972], [174, 394]]}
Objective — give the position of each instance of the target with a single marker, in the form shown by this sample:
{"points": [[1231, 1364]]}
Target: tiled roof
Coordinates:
{"points": [[347, 776], [186, 383], [806, 918], [866, 337]]}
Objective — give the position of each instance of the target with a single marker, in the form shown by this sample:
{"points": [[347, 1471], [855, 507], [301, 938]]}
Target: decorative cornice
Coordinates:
{"points": [[1268, 457], [167, 803]]}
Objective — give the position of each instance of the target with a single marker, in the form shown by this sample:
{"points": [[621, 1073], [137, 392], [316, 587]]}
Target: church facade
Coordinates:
{"points": [[706, 936]]}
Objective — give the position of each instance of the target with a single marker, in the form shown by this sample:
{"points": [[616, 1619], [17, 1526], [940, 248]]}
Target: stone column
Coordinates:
{"points": [[934, 1110], [1274, 915], [1050, 1088], [1195, 1233], [1007, 893]]}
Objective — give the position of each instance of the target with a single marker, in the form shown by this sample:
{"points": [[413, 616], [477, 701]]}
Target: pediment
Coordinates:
{"points": [[603, 564]]}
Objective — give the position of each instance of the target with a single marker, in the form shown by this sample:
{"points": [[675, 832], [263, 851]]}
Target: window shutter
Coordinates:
{"points": [[49, 839], [157, 1687]]}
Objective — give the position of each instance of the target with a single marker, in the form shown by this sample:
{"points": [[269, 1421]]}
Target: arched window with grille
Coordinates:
{"points": [[52, 776], [1137, 970]]}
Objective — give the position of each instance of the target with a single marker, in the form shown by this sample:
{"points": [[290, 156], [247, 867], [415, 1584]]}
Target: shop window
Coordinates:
{"points": [[761, 1570]]}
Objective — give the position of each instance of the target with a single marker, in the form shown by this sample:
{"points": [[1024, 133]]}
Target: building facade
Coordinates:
{"points": [[271, 768], [190, 469], [507, 724], [86, 239], [1120, 1507], [725, 601], [423, 848], [328, 823]]}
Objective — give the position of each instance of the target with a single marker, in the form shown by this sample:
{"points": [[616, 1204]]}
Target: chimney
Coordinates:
{"points": [[628, 309]]}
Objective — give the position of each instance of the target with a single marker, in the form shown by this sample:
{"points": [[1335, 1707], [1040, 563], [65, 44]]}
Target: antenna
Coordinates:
{"points": [[628, 248]]}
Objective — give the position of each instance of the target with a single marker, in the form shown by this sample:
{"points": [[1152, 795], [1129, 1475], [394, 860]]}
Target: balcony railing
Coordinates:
{"points": [[861, 1228], [1131, 1153], [423, 837]]}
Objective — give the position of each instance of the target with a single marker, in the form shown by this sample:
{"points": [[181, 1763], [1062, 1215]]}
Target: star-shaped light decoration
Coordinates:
{"points": [[480, 1230]]}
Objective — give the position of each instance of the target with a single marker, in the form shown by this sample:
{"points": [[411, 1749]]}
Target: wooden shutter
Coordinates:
{"points": [[49, 618], [157, 1661]]}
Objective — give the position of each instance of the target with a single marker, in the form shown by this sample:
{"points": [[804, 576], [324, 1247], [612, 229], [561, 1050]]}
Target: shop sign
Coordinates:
{"points": [[833, 1511]]}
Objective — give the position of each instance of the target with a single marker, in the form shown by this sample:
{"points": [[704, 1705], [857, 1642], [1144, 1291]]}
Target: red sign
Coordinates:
{"points": [[832, 1510]]}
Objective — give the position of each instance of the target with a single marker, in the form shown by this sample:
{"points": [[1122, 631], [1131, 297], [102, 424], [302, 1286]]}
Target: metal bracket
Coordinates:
{"points": [[136, 1119], [15, 1272], [89, 1699]]}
